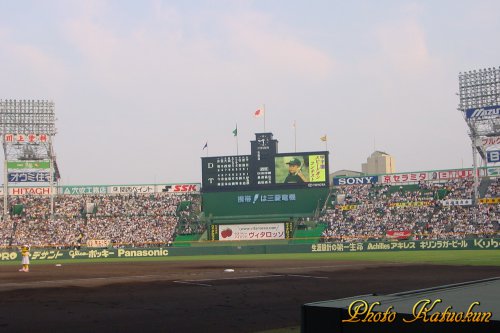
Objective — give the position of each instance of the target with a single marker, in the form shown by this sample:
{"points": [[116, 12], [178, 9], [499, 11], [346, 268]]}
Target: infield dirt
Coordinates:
{"points": [[199, 296]]}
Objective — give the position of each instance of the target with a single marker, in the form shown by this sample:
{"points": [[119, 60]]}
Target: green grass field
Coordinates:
{"points": [[443, 257]]}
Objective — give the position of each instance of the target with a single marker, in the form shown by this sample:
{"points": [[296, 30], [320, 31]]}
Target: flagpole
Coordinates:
{"points": [[295, 134], [237, 154]]}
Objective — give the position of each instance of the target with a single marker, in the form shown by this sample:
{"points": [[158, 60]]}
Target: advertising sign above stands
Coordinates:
{"points": [[415, 177], [26, 138], [355, 180], [125, 189], [488, 141], [28, 165], [486, 112], [493, 156], [29, 191], [179, 188], [399, 178], [28, 177]]}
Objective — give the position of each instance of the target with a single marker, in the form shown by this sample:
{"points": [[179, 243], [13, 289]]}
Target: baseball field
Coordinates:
{"points": [[225, 293]]}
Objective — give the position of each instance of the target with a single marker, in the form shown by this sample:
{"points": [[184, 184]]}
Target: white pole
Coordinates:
{"points": [[264, 110], [295, 134]]}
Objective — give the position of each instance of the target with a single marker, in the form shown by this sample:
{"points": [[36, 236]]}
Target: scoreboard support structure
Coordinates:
{"points": [[265, 182]]}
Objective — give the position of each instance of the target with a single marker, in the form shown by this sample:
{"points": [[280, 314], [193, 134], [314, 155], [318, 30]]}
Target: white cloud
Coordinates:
{"points": [[403, 46]]}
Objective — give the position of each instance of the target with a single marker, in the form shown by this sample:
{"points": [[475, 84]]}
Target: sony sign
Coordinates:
{"points": [[355, 180], [489, 111]]}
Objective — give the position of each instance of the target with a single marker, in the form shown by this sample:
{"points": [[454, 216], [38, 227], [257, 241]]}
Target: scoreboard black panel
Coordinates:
{"points": [[265, 169], [226, 172]]}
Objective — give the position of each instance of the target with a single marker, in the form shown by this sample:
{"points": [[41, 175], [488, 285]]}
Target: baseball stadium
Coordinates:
{"points": [[268, 242]]}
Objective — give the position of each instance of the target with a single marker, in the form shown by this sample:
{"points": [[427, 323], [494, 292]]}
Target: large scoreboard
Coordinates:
{"points": [[265, 168]]}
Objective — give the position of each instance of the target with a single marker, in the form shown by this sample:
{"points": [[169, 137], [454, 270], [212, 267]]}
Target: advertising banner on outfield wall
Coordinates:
{"points": [[100, 255], [237, 232], [456, 244]]}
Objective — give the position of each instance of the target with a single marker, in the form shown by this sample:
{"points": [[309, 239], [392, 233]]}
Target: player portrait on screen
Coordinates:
{"points": [[292, 170]]}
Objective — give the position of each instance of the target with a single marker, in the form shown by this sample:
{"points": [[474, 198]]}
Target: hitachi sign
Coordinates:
{"points": [[483, 112], [355, 180]]}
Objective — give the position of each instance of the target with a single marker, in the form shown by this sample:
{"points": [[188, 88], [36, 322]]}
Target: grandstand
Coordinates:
{"points": [[434, 209]]}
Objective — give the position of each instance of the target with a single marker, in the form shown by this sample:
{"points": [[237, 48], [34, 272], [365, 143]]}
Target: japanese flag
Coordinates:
{"points": [[258, 113]]}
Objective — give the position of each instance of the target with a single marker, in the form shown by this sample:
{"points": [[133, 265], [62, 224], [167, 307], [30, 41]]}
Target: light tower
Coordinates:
{"points": [[27, 130], [479, 92]]}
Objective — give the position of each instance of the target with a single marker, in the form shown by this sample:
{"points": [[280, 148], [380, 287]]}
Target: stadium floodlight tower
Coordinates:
{"points": [[27, 131], [479, 92]]}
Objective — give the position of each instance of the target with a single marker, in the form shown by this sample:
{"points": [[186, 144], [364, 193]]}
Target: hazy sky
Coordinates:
{"points": [[141, 86]]}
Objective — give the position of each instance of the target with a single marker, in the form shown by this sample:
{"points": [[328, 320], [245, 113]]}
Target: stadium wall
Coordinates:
{"points": [[265, 202], [9, 255]]}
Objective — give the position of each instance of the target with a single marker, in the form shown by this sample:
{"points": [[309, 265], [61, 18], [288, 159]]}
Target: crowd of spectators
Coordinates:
{"points": [[372, 212], [362, 212], [493, 190], [132, 219]]}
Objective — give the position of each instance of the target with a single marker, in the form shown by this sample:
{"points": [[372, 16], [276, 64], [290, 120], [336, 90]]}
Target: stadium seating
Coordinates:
{"points": [[135, 219], [361, 212], [374, 212]]}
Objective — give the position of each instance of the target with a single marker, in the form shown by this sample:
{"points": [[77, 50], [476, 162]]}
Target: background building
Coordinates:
{"points": [[378, 163]]}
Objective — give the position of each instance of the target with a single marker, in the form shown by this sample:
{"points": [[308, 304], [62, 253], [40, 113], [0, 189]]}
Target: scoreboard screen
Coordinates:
{"points": [[307, 169], [265, 169], [226, 171]]}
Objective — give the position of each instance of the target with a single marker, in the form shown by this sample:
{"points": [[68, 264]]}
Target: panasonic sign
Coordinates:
{"points": [[490, 111]]}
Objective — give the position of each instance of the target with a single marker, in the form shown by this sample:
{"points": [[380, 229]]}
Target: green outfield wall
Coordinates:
{"points": [[7, 255], [272, 202]]}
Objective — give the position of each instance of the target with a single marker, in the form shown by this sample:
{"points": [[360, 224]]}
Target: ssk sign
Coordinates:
{"points": [[181, 188]]}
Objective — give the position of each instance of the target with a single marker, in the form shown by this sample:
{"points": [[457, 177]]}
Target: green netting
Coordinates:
{"points": [[17, 209], [308, 236], [184, 205]]}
